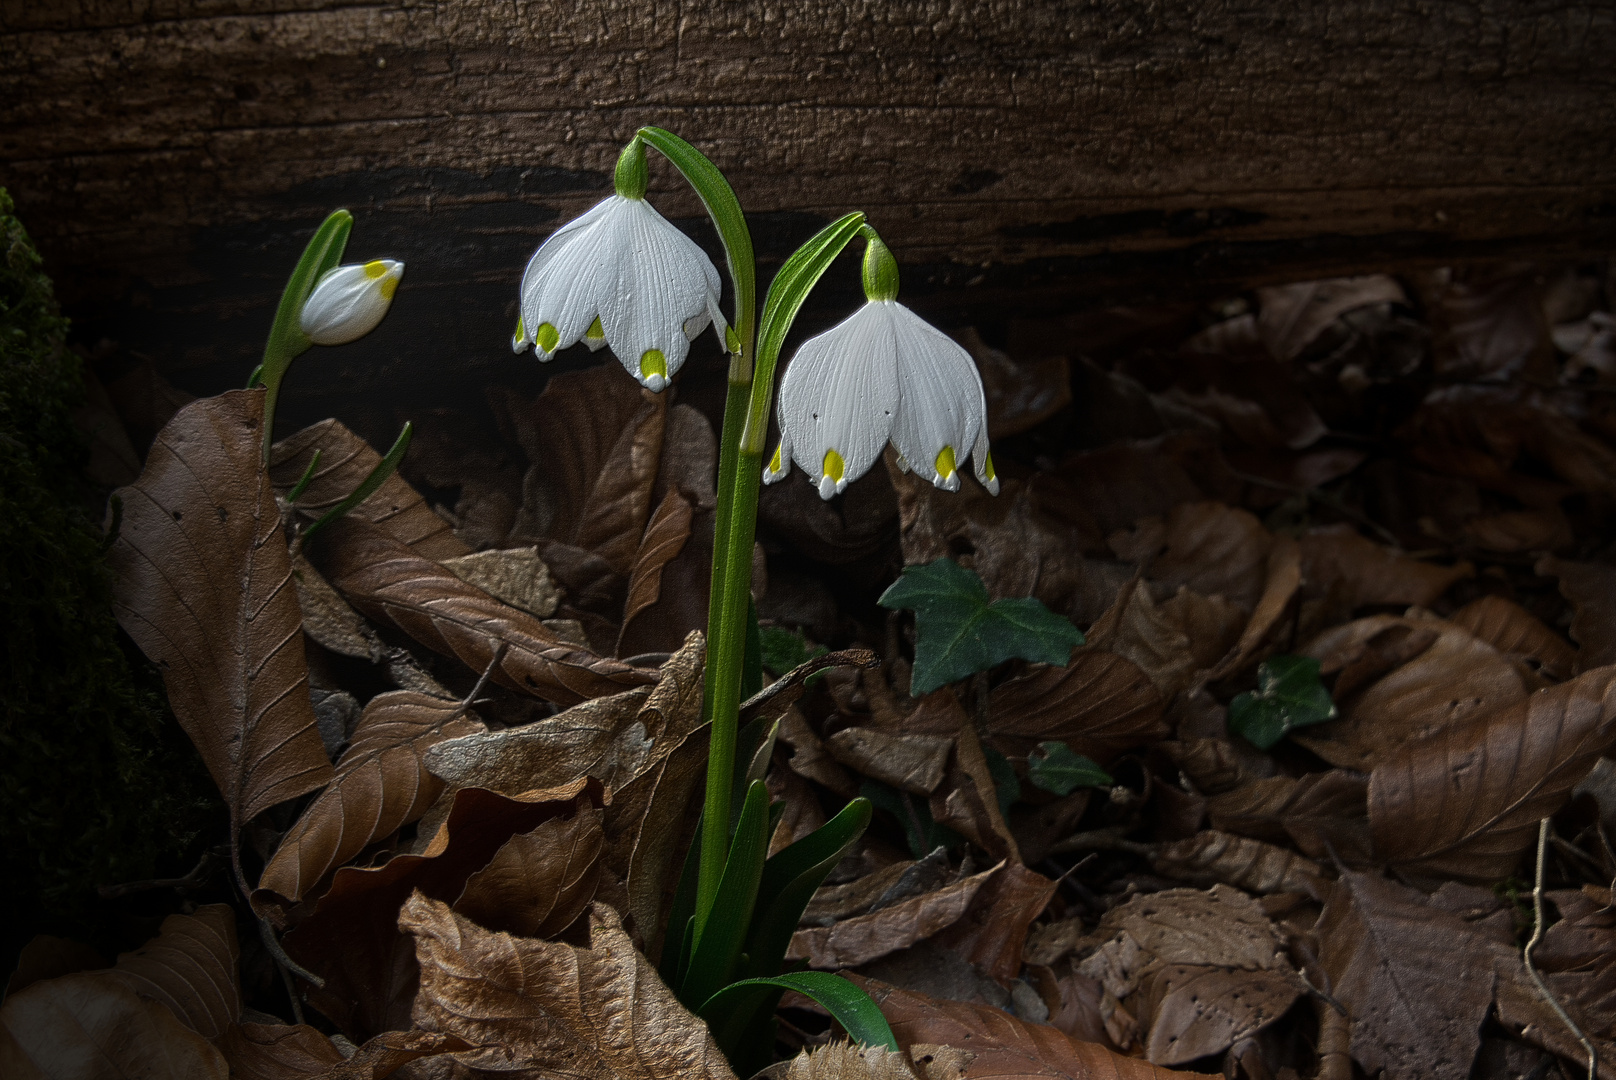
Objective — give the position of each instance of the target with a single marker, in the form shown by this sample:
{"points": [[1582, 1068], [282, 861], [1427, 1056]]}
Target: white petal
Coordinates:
{"points": [[662, 280], [840, 393], [941, 404], [716, 315], [569, 275], [348, 301], [981, 460]]}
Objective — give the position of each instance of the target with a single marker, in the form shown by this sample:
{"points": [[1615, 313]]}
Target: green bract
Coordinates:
{"points": [[1289, 695], [959, 631], [1057, 768], [287, 340]]}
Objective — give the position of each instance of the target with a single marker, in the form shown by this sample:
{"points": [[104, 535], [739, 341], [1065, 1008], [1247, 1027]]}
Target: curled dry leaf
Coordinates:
{"points": [[598, 1012], [1465, 802], [1454, 678], [968, 801], [993, 931], [1170, 641], [1291, 316], [88, 1027], [1591, 588], [1004, 1047], [381, 784], [1099, 704], [202, 582], [844, 1060], [1416, 980], [1516, 632], [516, 576], [1340, 565], [863, 938], [538, 882], [914, 763], [329, 620], [665, 536], [387, 581], [1199, 970], [1211, 857], [345, 461], [286, 1052], [190, 966], [352, 938], [47, 957]]}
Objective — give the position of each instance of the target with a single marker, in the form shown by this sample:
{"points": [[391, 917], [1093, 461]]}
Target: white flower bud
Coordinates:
{"points": [[348, 302]]}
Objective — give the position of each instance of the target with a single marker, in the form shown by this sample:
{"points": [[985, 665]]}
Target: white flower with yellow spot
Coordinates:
{"points": [[621, 275], [884, 374], [348, 301]]}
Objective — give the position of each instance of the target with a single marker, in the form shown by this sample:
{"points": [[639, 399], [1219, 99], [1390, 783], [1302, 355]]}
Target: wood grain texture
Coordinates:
{"points": [[170, 156]]}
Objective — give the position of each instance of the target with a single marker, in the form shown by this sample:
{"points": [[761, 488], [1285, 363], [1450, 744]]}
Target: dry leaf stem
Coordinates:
{"points": [[1537, 936]]}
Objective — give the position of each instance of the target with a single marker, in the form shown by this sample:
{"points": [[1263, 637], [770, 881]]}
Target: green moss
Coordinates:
{"points": [[97, 783]]}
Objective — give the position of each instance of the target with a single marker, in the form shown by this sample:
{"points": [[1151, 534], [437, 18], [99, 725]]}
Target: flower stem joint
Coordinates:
{"points": [[884, 374]]}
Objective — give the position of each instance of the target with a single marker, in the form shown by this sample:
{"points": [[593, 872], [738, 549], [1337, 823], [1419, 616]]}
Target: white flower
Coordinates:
{"points": [[348, 301], [620, 275], [882, 374]]}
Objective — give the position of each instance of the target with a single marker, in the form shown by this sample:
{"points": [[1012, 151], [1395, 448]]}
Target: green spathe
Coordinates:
{"points": [[1289, 695], [959, 631]]}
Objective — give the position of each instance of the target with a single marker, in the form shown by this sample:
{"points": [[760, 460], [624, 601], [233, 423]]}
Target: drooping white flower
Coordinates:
{"points": [[348, 301], [620, 275], [882, 374]]}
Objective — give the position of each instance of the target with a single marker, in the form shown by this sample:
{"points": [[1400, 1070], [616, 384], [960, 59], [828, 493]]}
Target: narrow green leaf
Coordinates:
{"points": [[1055, 767], [790, 880], [718, 940], [384, 468], [787, 292], [752, 659], [680, 933], [286, 338], [959, 631], [308, 475], [1289, 695], [850, 1006], [725, 210]]}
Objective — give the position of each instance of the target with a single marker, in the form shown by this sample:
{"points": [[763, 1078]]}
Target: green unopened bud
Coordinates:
{"points": [[880, 268], [632, 173]]}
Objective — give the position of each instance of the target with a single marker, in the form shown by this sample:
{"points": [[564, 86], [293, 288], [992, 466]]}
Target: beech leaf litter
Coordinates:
{"points": [[1220, 742]]}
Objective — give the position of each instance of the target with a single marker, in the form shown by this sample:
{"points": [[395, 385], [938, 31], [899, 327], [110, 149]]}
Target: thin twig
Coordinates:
{"points": [[1322, 496], [193, 880], [482, 681], [265, 931], [1537, 936], [1103, 840]]}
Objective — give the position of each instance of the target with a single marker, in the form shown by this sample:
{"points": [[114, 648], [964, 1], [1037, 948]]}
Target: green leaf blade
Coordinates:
{"points": [[1056, 768], [721, 931], [850, 1006], [959, 631], [1289, 695]]}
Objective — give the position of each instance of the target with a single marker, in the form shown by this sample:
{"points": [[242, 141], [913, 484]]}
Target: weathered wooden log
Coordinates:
{"points": [[171, 156]]}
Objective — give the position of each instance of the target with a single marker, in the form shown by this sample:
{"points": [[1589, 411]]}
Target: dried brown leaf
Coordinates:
{"points": [[1291, 316], [516, 576], [599, 1012], [844, 1060], [1211, 857], [665, 536], [1577, 958], [1099, 704], [1591, 588], [538, 882], [1021, 394], [1005, 1048], [1320, 812], [89, 1027], [382, 783], [1409, 974], [345, 461], [1443, 685], [352, 938], [1172, 641], [1466, 801], [190, 966], [809, 758], [201, 581], [914, 763], [1516, 632], [1199, 970], [1217, 765], [388, 582], [863, 938], [993, 931], [286, 1052], [329, 620], [1355, 572], [1214, 549], [969, 801], [47, 957]]}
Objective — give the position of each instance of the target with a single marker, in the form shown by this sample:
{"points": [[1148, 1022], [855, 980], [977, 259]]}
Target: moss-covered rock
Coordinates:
{"points": [[97, 783]]}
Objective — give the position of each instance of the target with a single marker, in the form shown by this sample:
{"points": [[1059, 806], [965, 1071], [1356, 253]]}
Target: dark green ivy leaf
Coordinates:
{"points": [[959, 631], [784, 650], [1055, 767], [1289, 695]]}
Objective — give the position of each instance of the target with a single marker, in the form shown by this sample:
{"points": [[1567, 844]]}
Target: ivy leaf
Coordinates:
{"points": [[959, 631], [1289, 695], [1055, 767], [784, 650]]}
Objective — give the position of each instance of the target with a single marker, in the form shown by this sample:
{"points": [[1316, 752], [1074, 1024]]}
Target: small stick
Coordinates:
{"points": [[1537, 936], [193, 880], [482, 681]]}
